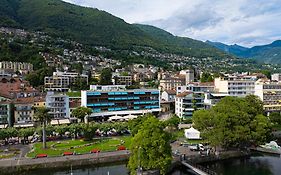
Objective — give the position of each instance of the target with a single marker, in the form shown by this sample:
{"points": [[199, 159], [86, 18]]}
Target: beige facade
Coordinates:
{"points": [[170, 84], [16, 66]]}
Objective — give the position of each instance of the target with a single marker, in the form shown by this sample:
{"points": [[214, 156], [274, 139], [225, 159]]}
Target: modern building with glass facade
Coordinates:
{"points": [[106, 101]]}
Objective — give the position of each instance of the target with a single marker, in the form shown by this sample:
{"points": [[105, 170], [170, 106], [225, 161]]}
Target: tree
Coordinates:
{"points": [[42, 115], [234, 122], [206, 77], [106, 76], [275, 117], [81, 112], [26, 132], [150, 148]]}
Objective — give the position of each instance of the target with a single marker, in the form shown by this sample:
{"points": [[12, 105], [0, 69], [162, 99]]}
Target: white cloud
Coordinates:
{"points": [[246, 22]]}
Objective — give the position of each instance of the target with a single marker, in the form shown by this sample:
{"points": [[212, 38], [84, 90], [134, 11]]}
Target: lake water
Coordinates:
{"points": [[256, 165]]}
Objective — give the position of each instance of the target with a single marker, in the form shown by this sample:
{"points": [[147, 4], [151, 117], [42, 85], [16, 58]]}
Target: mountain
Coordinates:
{"points": [[270, 53], [95, 27], [232, 49]]}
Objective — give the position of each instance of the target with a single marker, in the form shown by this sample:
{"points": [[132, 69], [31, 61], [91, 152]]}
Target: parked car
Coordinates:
{"points": [[196, 147]]}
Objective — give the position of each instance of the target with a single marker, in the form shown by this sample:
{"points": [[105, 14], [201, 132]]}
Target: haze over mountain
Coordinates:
{"points": [[95, 27], [270, 53]]}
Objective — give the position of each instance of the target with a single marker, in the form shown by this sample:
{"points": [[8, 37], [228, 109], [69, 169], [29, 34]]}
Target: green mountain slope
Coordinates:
{"points": [[95, 27]]}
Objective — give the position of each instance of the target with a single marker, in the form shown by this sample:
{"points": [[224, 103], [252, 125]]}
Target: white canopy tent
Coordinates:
{"points": [[116, 117], [60, 121], [192, 133]]}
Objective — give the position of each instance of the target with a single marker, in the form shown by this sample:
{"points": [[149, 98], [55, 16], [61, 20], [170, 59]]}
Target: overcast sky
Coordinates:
{"points": [[245, 22]]}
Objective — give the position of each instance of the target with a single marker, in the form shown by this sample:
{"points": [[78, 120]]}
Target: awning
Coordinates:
{"points": [[60, 121]]}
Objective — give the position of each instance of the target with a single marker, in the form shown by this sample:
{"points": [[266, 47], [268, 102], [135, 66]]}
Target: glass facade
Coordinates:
{"points": [[104, 101]]}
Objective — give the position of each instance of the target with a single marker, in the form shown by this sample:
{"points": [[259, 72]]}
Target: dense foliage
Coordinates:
{"points": [[234, 122], [150, 148], [81, 112]]}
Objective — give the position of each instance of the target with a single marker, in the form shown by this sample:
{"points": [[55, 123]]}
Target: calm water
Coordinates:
{"points": [[255, 165]]}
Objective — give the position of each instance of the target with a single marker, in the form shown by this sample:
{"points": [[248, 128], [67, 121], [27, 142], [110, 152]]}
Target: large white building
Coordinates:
{"points": [[236, 85], [187, 102], [58, 105]]}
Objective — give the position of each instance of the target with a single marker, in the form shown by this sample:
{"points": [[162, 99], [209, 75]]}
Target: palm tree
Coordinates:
{"points": [[42, 115]]}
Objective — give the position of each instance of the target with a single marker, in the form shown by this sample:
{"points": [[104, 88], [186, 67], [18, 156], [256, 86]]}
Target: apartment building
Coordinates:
{"points": [[236, 85], [24, 112], [270, 94], [13, 67], [187, 102], [196, 87], [106, 101], [170, 84], [61, 81], [123, 80], [58, 105], [5, 113], [212, 98]]}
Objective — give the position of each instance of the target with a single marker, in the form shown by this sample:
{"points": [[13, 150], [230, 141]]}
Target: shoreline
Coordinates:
{"points": [[12, 166]]}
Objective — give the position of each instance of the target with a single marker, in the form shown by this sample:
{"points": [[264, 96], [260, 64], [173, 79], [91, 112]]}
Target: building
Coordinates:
{"points": [[106, 101], [123, 80], [5, 113], [196, 87], [236, 85], [168, 95], [189, 75], [187, 102], [212, 98], [170, 84], [276, 77], [58, 105], [74, 102], [61, 81], [270, 94], [13, 67], [24, 112]]}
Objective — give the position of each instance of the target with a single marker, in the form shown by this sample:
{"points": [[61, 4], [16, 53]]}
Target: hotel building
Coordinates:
{"points": [[106, 101]]}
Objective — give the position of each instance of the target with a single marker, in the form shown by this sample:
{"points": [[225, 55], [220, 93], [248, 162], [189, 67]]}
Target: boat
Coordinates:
{"points": [[271, 148]]}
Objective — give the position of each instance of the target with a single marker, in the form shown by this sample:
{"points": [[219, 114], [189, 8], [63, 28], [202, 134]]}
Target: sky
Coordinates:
{"points": [[244, 22]]}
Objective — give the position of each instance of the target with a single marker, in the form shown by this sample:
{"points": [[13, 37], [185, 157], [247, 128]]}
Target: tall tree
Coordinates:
{"points": [[233, 122], [42, 115], [81, 112], [106, 76], [150, 148]]}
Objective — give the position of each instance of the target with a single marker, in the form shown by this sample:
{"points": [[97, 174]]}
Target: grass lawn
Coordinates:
{"points": [[57, 148]]}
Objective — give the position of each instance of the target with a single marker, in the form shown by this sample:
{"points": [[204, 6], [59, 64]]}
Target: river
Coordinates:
{"points": [[257, 164]]}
